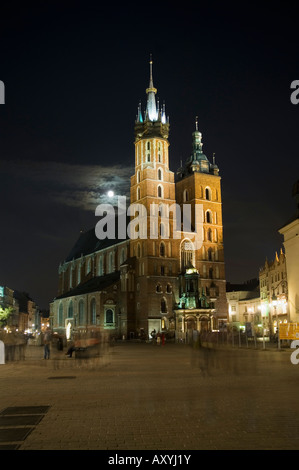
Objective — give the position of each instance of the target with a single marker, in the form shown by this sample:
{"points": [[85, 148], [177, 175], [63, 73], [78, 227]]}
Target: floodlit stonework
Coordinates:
{"points": [[164, 283]]}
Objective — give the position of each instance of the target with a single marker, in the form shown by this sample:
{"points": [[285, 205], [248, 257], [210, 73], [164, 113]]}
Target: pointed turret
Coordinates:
{"points": [[139, 117]]}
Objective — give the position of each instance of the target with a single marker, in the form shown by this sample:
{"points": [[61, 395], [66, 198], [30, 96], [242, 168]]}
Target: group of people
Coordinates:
{"points": [[159, 337]]}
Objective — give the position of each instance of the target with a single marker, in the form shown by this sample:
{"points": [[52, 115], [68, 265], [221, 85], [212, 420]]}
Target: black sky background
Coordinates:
{"points": [[74, 74]]}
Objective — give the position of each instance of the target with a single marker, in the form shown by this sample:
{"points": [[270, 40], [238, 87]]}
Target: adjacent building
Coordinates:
{"points": [[290, 232], [274, 292], [244, 306], [24, 313]]}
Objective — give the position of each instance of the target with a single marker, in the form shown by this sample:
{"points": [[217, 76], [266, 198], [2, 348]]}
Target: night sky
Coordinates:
{"points": [[74, 73]]}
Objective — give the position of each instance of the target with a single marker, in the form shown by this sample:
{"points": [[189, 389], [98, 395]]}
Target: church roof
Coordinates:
{"points": [[92, 285], [88, 243]]}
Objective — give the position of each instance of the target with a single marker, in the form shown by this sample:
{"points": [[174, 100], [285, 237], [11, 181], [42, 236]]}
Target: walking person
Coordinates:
{"points": [[47, 340]]}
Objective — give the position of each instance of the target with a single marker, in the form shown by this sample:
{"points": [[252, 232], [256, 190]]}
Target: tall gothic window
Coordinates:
{"points": [[93, 315], [81, 312], [159, 152], [148, 152], [60, 315], [70, 310]]}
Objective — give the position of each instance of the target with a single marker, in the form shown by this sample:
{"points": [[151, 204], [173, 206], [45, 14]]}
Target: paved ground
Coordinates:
{"points": [[140, 396]]}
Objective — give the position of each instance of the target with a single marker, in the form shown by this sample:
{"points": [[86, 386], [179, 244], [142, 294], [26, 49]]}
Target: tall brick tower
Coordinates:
{"points": [[153, 187], [198, 183], [179, 283]]}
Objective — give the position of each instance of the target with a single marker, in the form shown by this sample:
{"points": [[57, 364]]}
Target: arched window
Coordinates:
{"points": [[109, 316], [148, 152], [93, 313], [209, 235], [81, 312], [138, 176], [70, 312], [208, 217], [160, 174], [78, 274], [138, 250], [210, 254], [168, 289], [208, 194], [138, 193], [186, 195], [160, 191], [60, 315], [158, 288]]}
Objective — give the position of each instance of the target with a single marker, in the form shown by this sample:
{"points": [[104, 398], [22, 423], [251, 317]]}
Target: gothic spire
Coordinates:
{"points": [[153, 122], [151, 108]]}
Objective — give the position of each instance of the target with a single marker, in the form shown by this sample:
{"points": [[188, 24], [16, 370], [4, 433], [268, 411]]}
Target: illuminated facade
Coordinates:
{"points": [[163, 281], [290, 233], [274, 292]]}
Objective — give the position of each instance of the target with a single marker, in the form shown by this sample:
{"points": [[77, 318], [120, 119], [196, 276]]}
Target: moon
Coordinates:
{"points": [[110, 193]]}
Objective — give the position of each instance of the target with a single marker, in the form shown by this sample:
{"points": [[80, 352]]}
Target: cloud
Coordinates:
{"points": [[81, 186]]}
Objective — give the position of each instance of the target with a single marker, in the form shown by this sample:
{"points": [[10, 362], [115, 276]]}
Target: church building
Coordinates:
{"points": [[171, 280]]}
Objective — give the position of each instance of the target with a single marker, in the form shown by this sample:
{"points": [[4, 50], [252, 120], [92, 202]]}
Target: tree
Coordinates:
{"points": [[4, 315]]}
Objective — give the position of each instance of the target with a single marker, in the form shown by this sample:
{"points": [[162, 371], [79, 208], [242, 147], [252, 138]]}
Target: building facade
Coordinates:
{"points": [[290, 232], [169, 273], [274, 292], [244, 306]]}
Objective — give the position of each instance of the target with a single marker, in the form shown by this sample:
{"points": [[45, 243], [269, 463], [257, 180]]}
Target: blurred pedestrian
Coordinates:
{"points": [[47, 341], [71, 349]]}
